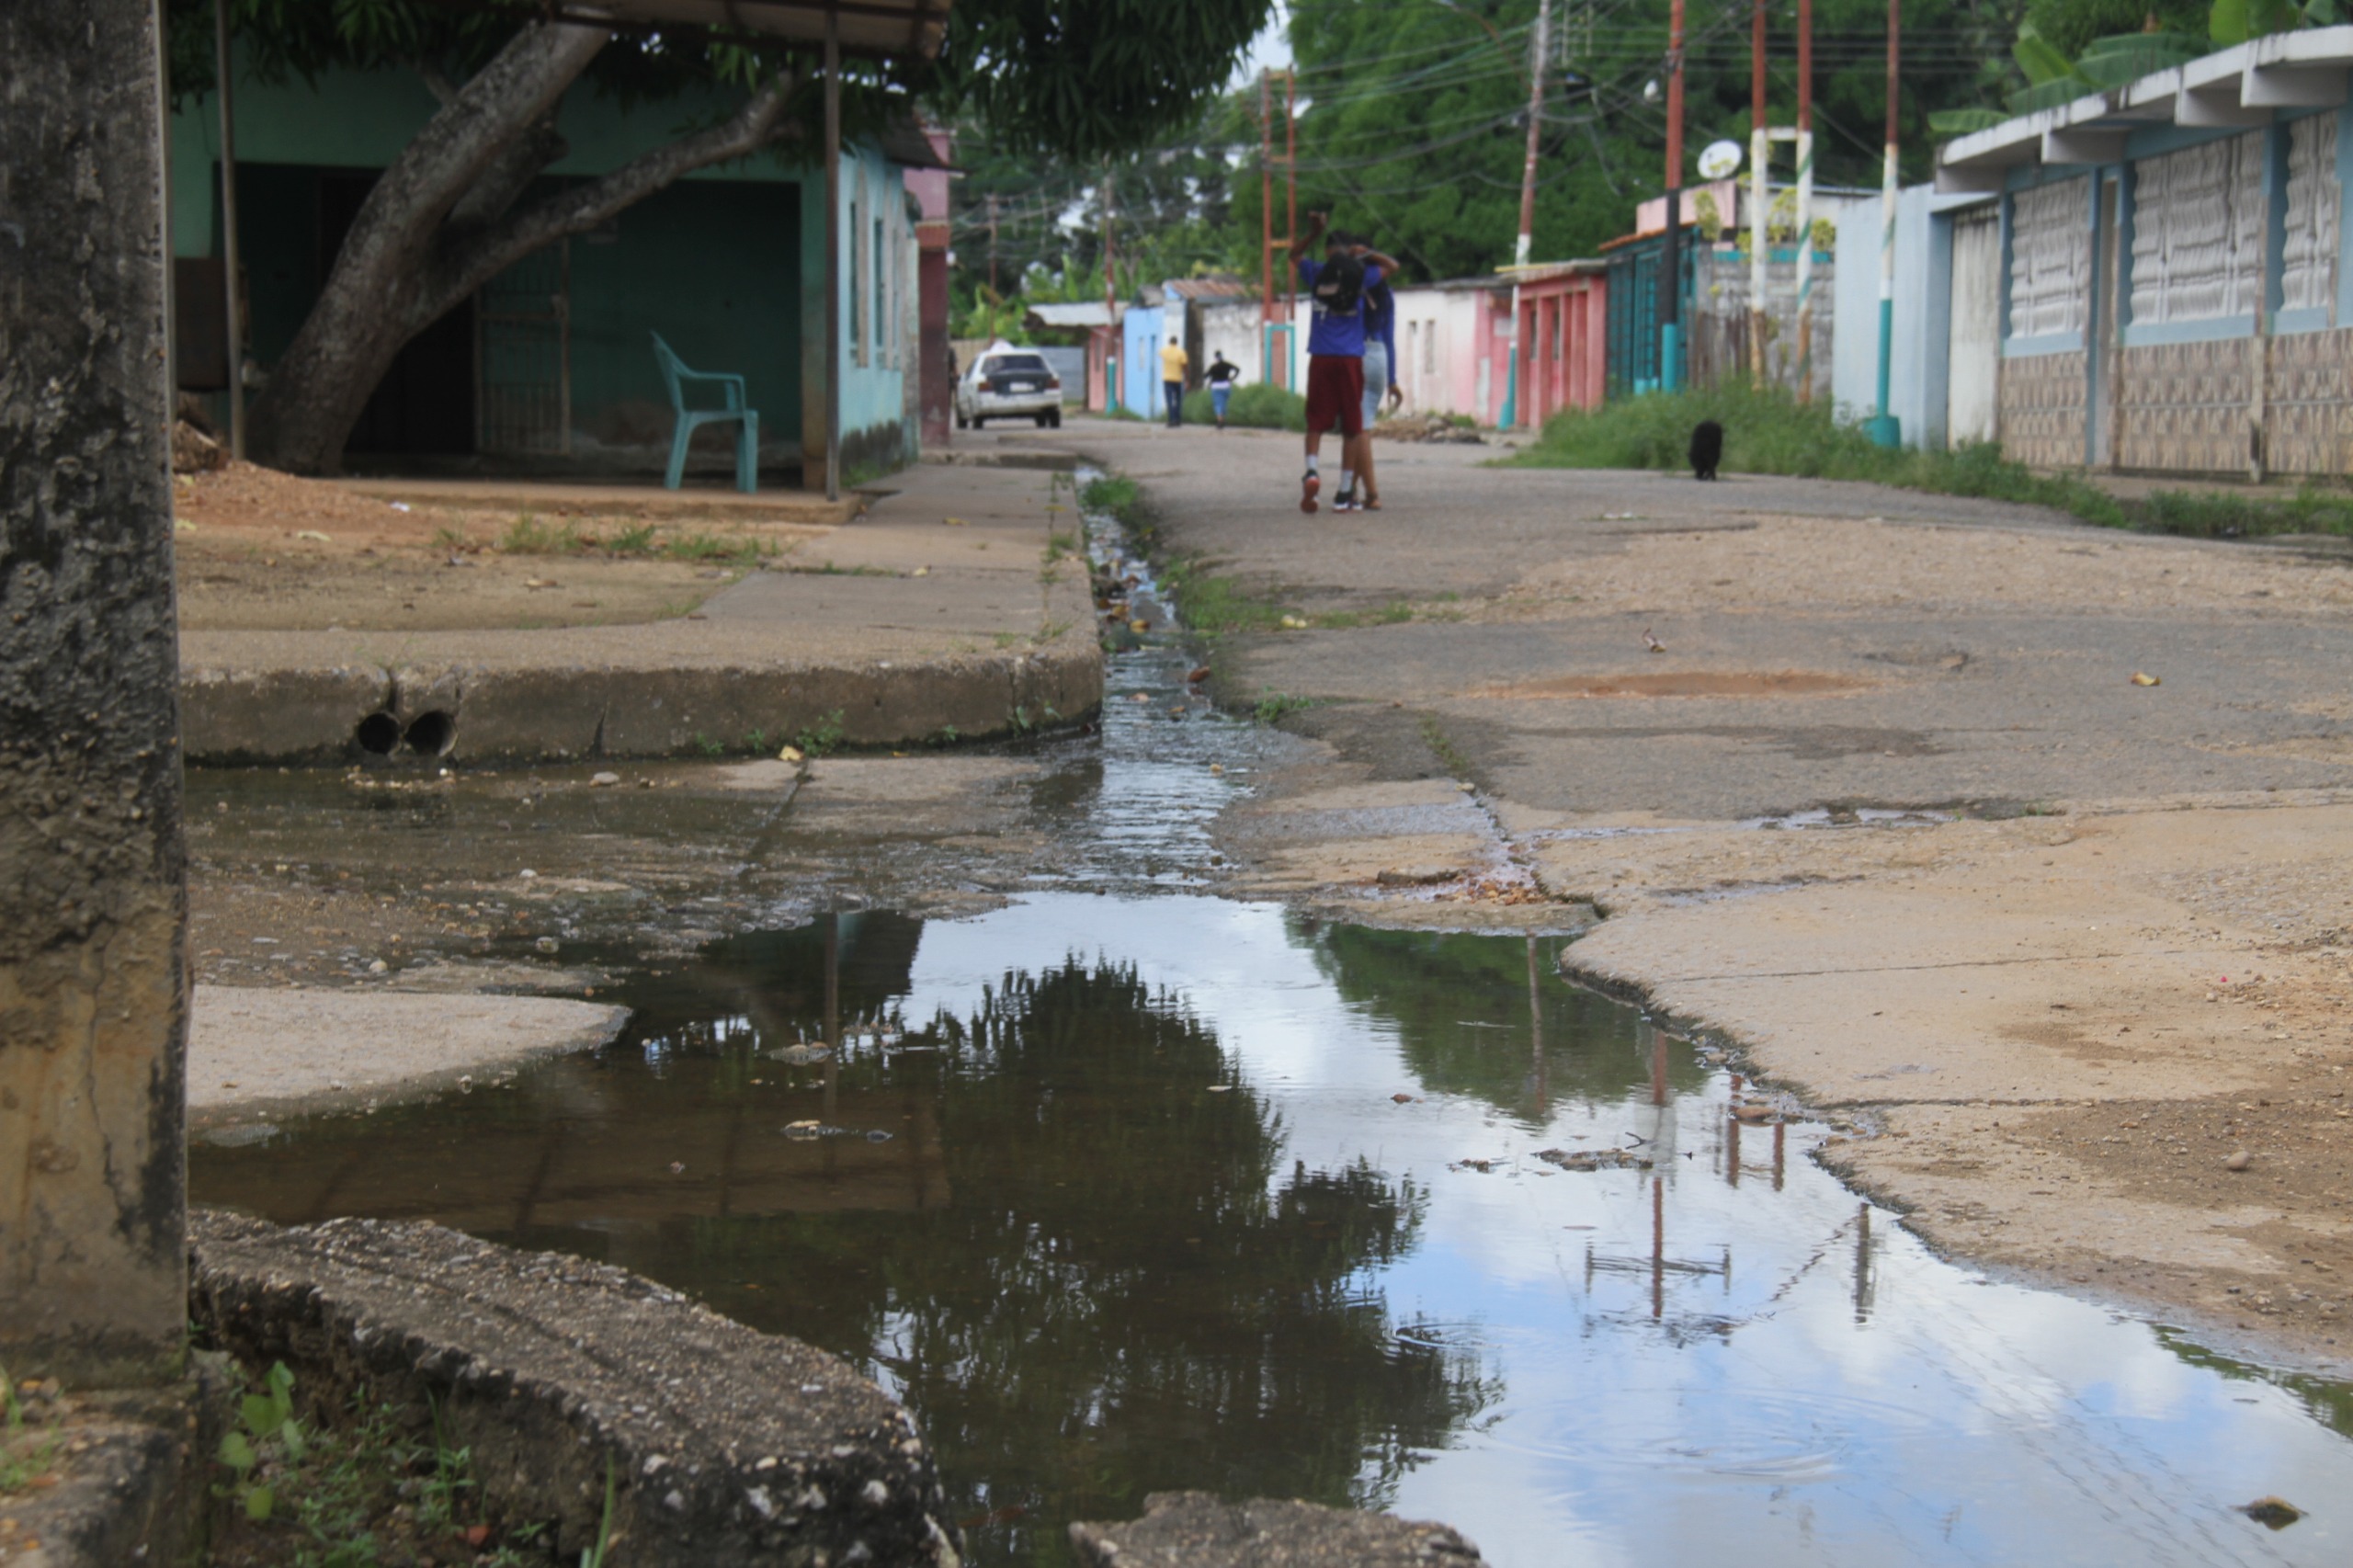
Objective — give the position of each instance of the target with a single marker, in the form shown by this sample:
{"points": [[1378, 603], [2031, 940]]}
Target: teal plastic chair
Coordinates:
{"points": [[676, 375]]}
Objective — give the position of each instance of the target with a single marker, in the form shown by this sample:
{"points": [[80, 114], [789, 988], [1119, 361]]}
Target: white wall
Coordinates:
{"points": [[1437, 350]]}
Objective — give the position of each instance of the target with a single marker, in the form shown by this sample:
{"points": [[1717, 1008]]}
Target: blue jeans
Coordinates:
{"points": [[1221, 393], [1176, 391]]}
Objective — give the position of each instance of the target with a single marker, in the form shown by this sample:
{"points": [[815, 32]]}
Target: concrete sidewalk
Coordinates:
{"points": [[948, 609]]}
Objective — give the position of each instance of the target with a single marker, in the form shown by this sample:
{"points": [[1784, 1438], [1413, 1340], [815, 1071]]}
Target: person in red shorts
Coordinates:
{"points": [[1336, 286]]}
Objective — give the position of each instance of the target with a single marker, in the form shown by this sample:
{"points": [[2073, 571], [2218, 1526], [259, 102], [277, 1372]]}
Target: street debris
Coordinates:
{"points": [[2272, 1513], [1594, 1159], [2142, 677], [603, 781], [1653, 643], [2238, 1161], [799, 1055]]}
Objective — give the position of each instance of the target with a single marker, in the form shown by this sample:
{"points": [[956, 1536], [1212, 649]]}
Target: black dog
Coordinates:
{"points": [[1706, 449]]}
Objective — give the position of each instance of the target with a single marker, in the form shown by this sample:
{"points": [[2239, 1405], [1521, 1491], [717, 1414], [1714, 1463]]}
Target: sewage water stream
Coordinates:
{"points": [[1123, 1188]]}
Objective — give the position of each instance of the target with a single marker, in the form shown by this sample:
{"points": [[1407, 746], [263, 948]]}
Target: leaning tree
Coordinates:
{"points": [[464, 198]]}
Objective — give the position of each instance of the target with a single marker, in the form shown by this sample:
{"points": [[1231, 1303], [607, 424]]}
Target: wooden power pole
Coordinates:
{"points": [[1538, 49]]}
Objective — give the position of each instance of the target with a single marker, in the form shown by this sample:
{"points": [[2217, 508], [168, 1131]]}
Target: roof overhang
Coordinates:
{"points": [[884, 28], [2245, 85]]}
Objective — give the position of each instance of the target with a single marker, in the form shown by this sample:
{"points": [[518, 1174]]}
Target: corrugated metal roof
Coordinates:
{"points": [[1206, 288]]}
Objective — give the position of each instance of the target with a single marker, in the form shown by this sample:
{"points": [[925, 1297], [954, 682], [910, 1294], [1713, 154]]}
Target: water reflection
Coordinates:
{"points": [[1124, 1195]]}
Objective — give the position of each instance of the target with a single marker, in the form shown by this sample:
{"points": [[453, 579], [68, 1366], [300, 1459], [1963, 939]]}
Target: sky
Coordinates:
{"points": [[1270, 47]]}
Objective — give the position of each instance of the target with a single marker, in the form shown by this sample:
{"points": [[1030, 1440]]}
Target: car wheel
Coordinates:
{"points": [[1054, 418], [1042, 422], [978, 422], [962, 422]]}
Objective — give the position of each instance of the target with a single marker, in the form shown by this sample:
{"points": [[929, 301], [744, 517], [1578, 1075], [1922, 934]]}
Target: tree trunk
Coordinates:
{"points": [[373, 299], [92, 989], [441, 223]]}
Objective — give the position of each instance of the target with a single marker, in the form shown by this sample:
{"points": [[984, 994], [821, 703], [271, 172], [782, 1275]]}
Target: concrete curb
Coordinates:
{"points": [[720, 1446], [562, 712]]}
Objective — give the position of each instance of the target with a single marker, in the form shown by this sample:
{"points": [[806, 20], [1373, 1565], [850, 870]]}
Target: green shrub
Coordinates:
{"points": [[1258, 405]]}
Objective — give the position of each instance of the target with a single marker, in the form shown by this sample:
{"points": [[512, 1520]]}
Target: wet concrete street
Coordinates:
{"points": [[1113, 1099]]}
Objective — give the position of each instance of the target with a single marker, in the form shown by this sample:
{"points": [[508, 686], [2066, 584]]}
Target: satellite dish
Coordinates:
{"points": [[1719, 159]]}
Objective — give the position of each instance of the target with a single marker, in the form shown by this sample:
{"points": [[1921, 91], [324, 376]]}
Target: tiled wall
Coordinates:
{"points": [[2042, 410], [2183, 406], [2309, 403]]}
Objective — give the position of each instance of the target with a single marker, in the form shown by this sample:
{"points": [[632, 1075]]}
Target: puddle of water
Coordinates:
{"points": [[1115, 1186], [1116, 1193]]}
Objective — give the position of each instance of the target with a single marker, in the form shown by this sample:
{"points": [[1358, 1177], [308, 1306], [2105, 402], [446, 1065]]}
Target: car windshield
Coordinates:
{"points": [[1013, 364]]}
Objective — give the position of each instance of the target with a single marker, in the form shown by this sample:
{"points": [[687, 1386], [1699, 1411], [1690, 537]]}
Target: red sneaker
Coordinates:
{"points": [[1307, 489]]}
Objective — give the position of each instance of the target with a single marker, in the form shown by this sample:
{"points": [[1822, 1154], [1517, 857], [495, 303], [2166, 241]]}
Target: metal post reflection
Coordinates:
{"points": [[1544, 1088]]}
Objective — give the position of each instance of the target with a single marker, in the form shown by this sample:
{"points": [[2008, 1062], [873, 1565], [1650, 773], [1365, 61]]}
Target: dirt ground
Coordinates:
{"points": [[260, 550]]}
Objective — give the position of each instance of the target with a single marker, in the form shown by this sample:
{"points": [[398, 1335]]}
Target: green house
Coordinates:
{"points": [[550, 368]]}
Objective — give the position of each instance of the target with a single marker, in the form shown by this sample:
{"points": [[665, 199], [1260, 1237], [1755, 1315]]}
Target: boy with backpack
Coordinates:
{"points": [[1335, 287]]}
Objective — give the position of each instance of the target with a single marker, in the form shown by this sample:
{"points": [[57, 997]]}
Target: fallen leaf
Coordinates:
{"points": [[920, 572], [1403, 1098], [2272, 1513], [789, 754], [313, 534], [1139, 627], [953, 522], [2142, 679], [1197, 676]]}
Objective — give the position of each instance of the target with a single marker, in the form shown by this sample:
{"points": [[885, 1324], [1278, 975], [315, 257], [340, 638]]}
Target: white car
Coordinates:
{"points": [[1006, 382]]}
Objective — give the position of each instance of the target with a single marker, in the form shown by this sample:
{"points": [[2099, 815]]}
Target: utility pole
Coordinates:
{"points": [[833, 256], [1266, 217], [1670, 307], [1110, 303], [1539, 51], [1805, 202], [1759, 148], [993, 288], [1886, 429]]}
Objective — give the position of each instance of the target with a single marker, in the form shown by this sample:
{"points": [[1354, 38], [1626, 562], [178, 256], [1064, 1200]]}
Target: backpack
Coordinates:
{"points": [[1339, 286]]}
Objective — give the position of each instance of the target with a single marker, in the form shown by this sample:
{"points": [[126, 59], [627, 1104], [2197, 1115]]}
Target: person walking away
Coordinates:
{"points": [[1334, 352], [1380, 367], [1172, 381], [1221, 375]]}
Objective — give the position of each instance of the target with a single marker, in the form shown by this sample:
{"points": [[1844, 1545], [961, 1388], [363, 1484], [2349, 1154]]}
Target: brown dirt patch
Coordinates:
{"points": [[1678, 683], [262, 551]]}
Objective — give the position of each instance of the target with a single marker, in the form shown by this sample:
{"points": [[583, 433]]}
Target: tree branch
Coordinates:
{"points": [[469, 261], [510, 175]]}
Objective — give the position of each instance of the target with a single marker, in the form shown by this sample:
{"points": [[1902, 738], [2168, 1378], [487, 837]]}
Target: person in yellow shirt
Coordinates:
{"points": [[1172, 381]]}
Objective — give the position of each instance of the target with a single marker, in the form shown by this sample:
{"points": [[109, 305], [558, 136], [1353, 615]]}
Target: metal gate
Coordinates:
{"points": [[523, 356]]}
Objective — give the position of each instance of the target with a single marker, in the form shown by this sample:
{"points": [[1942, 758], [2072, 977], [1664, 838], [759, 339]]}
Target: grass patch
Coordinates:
{"points": [[1213, 604], [365, 1492], [1769, 432], [527, 535], [1114, 494], [26, 1452], [1442, 746], [1396, 612], [710, 547], [1273, 705], [1257, 406]]}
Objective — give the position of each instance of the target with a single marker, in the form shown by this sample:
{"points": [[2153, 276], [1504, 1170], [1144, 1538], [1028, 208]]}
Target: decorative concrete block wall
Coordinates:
{"points": [[2186, 406], [2309, 428], [2042, 409]]}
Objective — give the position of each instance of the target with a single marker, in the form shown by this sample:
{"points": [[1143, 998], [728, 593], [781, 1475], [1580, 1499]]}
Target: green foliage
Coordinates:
{"points": [[1114, 496], [24, 1454], [822, 738], [265, 1428], [527, 535], [1272, 705], [1258, 406], [1082, 78], [1215, 605]]}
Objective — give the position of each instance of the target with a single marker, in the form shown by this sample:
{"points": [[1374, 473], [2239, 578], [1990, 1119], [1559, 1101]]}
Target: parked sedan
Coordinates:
{"points": [[1008, 383]]}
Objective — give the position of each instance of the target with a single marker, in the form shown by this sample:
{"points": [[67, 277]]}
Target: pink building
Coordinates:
{"points": [[1564, 339]]}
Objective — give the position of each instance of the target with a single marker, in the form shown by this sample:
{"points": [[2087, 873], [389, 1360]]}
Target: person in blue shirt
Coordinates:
{"points": [[1380, 373], [1336, 340]]}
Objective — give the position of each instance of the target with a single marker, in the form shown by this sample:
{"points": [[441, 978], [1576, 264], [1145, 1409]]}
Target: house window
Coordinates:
{"points": [[2198, 219], [2050, 260], [2308, 258]]}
